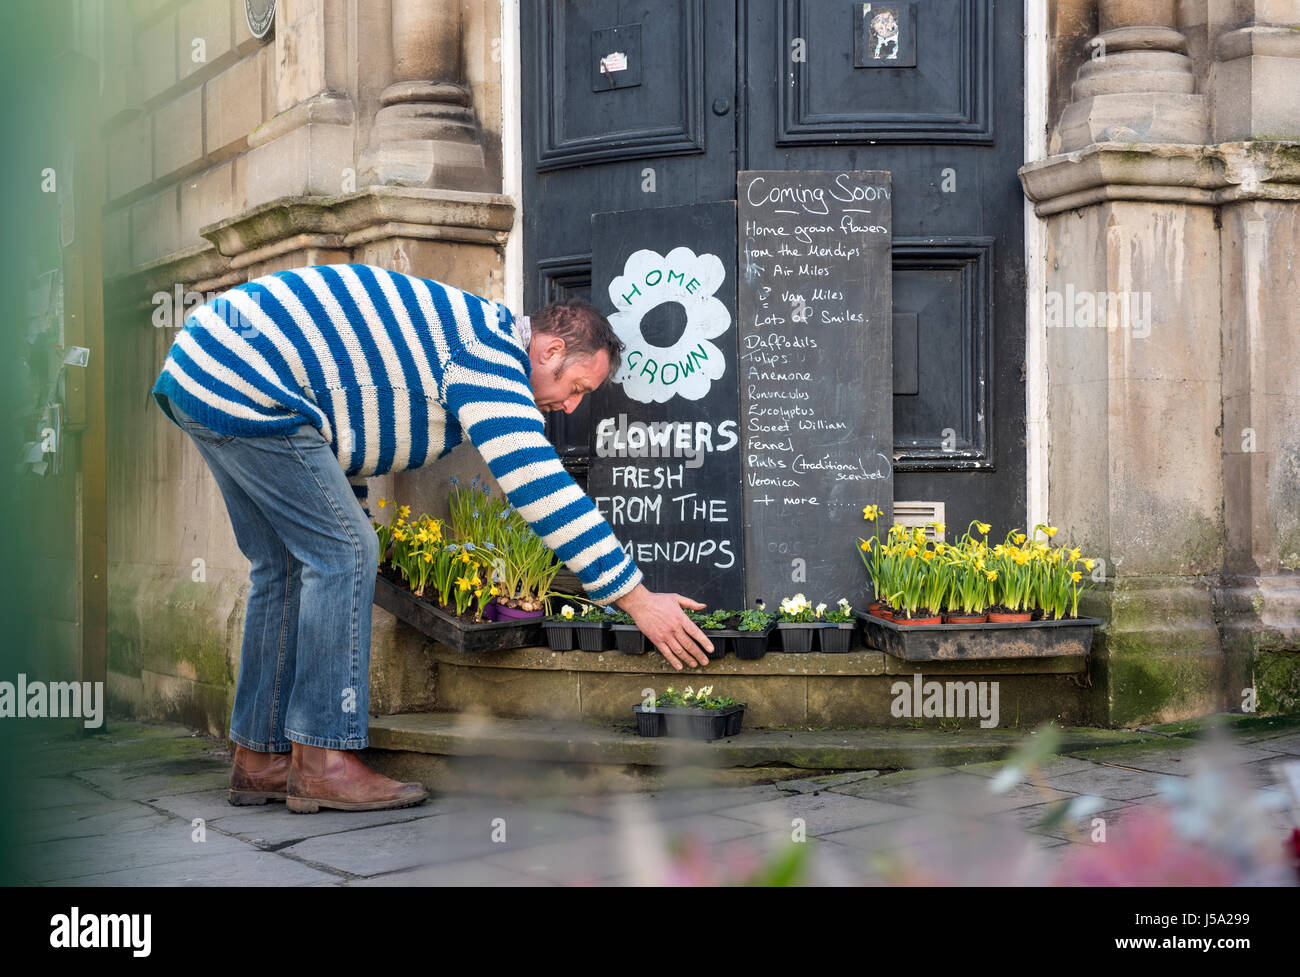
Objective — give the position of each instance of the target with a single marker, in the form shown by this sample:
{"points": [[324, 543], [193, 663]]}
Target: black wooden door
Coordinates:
{"points": [[656, 131], [930, 90]]}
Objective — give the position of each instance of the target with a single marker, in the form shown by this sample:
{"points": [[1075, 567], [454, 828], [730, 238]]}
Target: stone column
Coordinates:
{"points": [[1257, 103], [1171, 332], [1254, 80], [1138, 84], [426, 134]]}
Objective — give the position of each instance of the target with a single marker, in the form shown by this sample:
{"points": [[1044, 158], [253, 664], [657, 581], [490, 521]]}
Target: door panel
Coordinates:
{"points": [[668, 140], [718, 89], [950, 131]]}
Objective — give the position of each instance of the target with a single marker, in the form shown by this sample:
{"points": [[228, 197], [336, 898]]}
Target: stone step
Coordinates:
{"points": [[476, 753], [782, 690]]}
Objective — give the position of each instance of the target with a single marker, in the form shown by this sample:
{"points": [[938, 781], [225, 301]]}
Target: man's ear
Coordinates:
{"points": [[552, 347]]}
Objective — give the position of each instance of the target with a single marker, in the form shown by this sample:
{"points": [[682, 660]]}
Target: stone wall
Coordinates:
{"points": [[1172, 211], [229, 157]]}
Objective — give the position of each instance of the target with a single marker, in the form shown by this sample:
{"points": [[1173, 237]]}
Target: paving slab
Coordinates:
{"points": [[471, 872], [242, 868], [827, 782], [674, 803], [952, 791], [44, 793], [1050, 767], [436, 840], [89, 821], [921, 828], [1178, 756], [821, 813], [149, 779], [1113, 782], [166, 841], [1288, 744], [1071, 828], [573, 861], [273, 825]]}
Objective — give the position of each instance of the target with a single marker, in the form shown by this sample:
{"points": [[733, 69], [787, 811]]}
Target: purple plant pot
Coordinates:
{"points": [[490, 610], [504, 613]]}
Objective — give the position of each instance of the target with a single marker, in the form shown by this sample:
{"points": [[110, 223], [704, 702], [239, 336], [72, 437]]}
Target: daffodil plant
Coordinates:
{"points": [[921, 577]]}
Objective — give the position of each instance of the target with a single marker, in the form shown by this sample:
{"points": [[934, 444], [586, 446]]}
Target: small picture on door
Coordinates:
{"points": [[884, 35]]}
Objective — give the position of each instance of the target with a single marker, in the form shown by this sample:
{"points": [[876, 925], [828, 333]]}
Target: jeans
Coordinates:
{"points": [[304, 670]]}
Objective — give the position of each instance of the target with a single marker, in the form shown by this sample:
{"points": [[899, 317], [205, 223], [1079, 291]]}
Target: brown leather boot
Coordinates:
{"points": [[338, 779], [258, 777]]}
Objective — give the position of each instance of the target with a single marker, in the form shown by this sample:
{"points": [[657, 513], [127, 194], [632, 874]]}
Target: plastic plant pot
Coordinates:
{"points": [[751, 645], [590, 635], [559, 635], [796, 636], [629, 639], [836, 639], [721, 645]]}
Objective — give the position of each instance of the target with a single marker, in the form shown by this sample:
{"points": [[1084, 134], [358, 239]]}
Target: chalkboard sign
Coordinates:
{"points": [[815, 328], [665, 459]]}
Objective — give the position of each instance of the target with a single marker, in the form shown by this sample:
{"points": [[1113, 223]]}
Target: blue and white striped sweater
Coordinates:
{"points": [[394, 371]]}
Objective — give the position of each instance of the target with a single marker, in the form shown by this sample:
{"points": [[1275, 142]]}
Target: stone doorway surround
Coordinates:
{"points": [[1170, 208]]}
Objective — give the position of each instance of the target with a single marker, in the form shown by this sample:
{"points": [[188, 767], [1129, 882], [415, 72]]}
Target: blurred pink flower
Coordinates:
{"points": [[1148, 851]]}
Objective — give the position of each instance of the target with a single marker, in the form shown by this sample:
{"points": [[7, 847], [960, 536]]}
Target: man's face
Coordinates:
{"points": [[560, 386]]}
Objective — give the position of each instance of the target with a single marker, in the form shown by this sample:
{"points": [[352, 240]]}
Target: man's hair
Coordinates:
{"points": [[583, 328]]}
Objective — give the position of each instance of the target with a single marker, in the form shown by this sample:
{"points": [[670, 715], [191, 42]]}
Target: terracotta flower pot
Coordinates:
{"points": [[874, 608], [934, 619], [965, 618], [885, 614], [1017, 618]]}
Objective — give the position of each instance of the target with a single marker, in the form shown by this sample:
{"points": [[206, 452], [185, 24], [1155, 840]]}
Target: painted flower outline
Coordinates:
{"points": [[647, 284]]}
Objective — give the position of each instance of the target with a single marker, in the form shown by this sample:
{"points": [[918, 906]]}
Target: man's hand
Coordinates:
{"points": [[661, 619]]}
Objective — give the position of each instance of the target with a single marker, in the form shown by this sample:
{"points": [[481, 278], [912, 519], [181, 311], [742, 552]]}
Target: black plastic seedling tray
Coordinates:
{"points": [[467, 637], [696, 724], [1070, 638]]}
